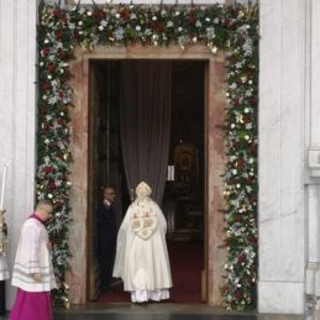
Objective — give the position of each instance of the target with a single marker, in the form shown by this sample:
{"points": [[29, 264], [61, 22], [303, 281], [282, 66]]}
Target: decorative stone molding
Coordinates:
{"points": [[314, 161]]}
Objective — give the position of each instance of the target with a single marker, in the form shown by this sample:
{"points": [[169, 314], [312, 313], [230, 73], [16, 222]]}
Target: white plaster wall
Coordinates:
{"points": [[282, 156], [17, 114]]}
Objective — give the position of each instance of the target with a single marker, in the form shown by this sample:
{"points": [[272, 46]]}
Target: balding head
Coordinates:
{"points": [[44, 209]]}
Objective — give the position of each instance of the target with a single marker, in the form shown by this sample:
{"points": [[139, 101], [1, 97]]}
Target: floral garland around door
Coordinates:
{"points": [[230, 29]]}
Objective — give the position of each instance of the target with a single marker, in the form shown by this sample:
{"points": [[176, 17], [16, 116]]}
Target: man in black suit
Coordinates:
{"points": [[107, 235]]}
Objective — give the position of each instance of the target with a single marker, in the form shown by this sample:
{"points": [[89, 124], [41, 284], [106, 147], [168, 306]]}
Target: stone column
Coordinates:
{"points": [[313, 144], [17, 114], [281, 157]]}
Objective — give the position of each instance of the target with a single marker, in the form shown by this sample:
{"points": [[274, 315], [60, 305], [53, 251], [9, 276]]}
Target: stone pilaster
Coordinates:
{"points": [[313, 163], [17, 113], [281, 157]]}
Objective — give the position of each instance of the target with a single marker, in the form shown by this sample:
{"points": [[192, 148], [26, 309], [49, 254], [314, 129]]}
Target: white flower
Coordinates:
{"points": [[247, 137], [154, 18], [52, 100], [119, 34], [234, 171], [50, 196], [194, 39], [249, 126], [233, 86], [80, 23], [211, 33], [214, 50], [104, 23], [180, 29], [244, 79], [208, 19], [89, 13], [216, 20], [232, 126], [198, 24], [117, 15], [247, 47], [46, 41], [246, 110], [138, 28], [101, 28], [170, 24], [249, 91]]}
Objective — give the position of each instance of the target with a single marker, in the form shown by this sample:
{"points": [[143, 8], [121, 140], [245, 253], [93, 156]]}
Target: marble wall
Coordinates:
{"points": [[289, 247], [282, 133], [17, 113], [313, 160]]}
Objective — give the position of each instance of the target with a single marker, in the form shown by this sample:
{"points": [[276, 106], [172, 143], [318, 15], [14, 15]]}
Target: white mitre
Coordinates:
{"points": [[143, 190], [143, 212]]}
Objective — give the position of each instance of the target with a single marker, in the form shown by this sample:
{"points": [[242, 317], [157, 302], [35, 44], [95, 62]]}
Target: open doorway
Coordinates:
{"points": [[183, 199]]}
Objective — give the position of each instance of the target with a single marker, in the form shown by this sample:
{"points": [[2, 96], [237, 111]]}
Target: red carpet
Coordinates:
{"points": [[187, 261]]}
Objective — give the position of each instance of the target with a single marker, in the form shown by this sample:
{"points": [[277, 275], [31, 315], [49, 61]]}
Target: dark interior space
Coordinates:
{"points": [[183, 200]]}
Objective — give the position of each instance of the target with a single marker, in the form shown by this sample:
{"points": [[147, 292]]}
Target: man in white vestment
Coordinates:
{"points": [[4, 270], [142, 259]]}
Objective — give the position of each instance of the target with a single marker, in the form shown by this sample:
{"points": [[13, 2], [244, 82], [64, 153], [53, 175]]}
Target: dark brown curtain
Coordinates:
{"points": [[145, 122]]}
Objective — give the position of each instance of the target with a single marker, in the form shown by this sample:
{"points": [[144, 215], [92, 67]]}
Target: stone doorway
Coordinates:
{"points": [[81, 277]]}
